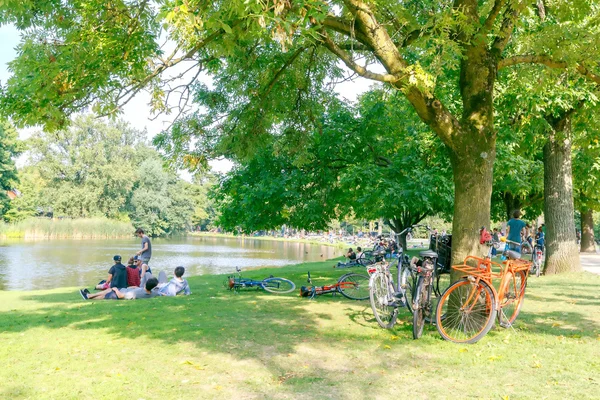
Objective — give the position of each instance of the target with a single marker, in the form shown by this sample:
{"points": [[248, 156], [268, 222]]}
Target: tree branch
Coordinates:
{"points": [[531, 59], [491, 18], [510, 16], [345, 28], [347, 59]]}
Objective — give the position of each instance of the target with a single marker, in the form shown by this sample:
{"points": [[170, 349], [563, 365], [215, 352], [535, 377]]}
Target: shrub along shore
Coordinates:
{"points": [[81, 228], [217, 344]]}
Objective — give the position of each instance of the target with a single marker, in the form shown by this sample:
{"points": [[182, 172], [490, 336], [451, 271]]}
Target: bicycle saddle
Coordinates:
{"points": [[428, 253]]}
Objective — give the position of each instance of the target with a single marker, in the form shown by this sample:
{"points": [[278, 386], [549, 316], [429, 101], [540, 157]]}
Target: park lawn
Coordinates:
{"points": [[215, 344]]}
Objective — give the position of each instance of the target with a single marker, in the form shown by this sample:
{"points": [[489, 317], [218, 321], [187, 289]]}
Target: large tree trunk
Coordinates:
{"points": [[588, 244], [562, 253], [473, 174]]}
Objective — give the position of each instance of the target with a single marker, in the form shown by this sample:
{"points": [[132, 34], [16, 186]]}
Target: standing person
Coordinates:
{"points": [[540, 238], [514, 228], [146, 252]]}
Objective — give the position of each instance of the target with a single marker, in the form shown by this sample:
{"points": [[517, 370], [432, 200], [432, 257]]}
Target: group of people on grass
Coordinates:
{"points": [[135, 280]]}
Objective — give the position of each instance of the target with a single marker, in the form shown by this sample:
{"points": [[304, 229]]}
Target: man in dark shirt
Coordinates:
{"points": [[117, 274]]}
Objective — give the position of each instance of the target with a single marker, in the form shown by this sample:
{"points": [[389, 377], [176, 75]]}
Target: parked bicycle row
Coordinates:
{"points": [[465, 310]]}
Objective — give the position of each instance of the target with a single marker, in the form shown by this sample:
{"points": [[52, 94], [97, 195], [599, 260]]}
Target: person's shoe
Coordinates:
{"points": [[83, 294], [86, 291]]}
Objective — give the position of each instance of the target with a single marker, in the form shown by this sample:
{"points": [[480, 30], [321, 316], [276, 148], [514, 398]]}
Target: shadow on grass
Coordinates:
{"points": [[250, 325]]}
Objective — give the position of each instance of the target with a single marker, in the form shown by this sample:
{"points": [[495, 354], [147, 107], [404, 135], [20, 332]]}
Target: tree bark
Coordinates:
{"points": [[511, 203], [473, 175], [588, 243], [562, 253]]}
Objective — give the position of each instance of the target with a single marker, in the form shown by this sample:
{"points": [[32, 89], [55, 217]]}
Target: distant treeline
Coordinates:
{"points": [[107, 175]]}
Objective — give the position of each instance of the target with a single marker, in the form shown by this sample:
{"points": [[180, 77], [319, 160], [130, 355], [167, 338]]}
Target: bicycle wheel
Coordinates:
{"points": [[513, 295], [468, 311], [354, 286], [278, 285], [382, 300], [408, 281], [419, 308]]}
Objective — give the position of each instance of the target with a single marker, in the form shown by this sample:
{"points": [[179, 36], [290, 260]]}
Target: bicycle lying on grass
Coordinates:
{"points": [[353, 286], [471, 304], [270, 284]]}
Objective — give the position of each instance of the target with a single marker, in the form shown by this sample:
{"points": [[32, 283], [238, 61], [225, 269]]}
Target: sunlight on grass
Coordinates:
{"points": [[217, 344]]}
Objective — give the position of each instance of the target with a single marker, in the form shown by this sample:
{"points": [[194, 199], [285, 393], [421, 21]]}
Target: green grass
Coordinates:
{"points": [[216, 344], [82, 228]]}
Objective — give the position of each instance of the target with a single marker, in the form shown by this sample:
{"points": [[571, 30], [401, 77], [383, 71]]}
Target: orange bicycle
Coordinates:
{"points": [[468, 308]]}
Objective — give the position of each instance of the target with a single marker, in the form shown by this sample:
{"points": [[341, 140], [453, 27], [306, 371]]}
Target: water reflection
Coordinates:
{"points": [[47, 264]]}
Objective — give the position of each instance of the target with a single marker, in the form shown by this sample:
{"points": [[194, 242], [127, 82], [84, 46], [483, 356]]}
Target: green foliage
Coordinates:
{"points": [[75, 55], [81, 228], [99, 169], [10, 147], [370, 161], [586, 160]]}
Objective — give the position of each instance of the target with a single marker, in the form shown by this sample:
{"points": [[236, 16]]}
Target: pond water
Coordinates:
{"points": [[30, 265]]}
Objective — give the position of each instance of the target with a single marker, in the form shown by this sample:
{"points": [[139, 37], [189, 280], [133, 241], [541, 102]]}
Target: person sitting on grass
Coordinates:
{"points": [[143, 267], [351, 255], [123, 293], [133, 273], [117, 276], [175, 286]]}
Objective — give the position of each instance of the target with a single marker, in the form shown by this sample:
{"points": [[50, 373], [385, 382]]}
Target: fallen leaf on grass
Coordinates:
{"points": [[394, 337], [537, 364], [554, 325], [386, 347], [463, 350]]}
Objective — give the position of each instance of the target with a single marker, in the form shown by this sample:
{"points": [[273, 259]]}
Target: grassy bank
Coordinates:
{"points": [[254, 345], [84, 228]]}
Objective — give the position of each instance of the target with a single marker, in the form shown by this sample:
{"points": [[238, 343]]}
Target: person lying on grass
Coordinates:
{"points": [[175, 286], [129, 294]]}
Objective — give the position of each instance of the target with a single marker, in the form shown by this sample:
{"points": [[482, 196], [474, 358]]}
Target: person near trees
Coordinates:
{"points": [[117, 276], [540, 238], [146, 252], [514, 229]]}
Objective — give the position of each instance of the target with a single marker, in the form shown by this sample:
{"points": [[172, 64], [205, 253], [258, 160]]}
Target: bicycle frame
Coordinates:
{"points": [[484, 271], [325, 289]]}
